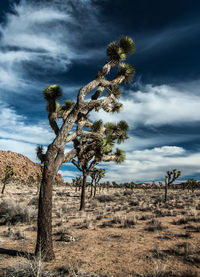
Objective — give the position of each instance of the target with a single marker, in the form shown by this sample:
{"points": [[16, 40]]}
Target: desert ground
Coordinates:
{"points": [[121, 233]]}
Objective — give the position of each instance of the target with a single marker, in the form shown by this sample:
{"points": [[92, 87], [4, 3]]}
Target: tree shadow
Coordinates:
{"points": [[16, 253]]}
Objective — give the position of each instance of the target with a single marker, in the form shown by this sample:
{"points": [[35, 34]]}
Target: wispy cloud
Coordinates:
{"points": [[167, 38], [152, 164], [18, 136], [157, 106], [48, 35]]}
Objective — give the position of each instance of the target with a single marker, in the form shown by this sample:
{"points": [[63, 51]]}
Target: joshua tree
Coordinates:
{"points": [[77, 182], [91, 151], [9, 173], [74, 123], [96, 175], [170, 178], [191, 184]]}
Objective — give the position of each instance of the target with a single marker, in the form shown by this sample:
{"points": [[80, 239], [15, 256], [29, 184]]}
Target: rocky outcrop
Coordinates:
{"points": [[24, 168]]}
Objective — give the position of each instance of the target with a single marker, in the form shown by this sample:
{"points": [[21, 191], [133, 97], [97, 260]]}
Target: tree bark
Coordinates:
{"points": [[91, 191], [82, 204], [44, 244], [95, 189], [4, 185], [166, 187]]}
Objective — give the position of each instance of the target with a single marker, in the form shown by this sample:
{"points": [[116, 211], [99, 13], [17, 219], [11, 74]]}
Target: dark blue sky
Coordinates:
{"points": [[64, 42]]}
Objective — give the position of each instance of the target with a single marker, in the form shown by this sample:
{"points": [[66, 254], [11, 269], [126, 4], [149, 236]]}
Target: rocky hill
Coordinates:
{"points": [[24, 168]]}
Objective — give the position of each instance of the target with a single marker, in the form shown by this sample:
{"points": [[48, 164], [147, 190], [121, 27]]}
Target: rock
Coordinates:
{"points": [[25, 169]]}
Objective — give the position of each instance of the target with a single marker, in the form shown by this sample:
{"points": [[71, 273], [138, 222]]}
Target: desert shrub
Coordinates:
{"points": [[155, 225], [134, 203], [31, 180], [164, 273], [12, 213], [105, 198], [116, 220], [106, 224], [180, 221], [33, 201], [129, 222], [185, 220], [127, 192], [146, 216], [14, 235]]}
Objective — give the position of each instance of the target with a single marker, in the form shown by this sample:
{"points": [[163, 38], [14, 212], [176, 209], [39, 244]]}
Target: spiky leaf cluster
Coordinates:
{"points": [[123, 125], [68, 105], [115, 52], [119, 51], [97, 126], [117, 131], [110, 128], [127, 45], [107, 145], [120, 155], [52, 92], [116, 90], [117, 107], [123, 129], [127, 71]]}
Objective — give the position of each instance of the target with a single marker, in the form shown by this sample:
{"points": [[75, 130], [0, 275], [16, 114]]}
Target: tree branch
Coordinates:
{"points": [[70, 155], [74, 162]]}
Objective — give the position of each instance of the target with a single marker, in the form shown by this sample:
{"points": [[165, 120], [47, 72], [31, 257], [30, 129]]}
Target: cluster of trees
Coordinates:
{"points": [[79, 184]]}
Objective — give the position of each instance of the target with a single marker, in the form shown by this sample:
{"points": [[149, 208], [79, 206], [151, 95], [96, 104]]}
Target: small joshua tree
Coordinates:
{"points": [[9, 173], [77, 182], [74, 118], [192, 184], [93, 150], [170, 178], [96, 175]]}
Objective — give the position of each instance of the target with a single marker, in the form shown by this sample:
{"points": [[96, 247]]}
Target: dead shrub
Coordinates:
{"points": [[12, 213]]}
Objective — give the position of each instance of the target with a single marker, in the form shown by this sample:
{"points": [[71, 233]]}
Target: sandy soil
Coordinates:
{"points": [[129, 233]]}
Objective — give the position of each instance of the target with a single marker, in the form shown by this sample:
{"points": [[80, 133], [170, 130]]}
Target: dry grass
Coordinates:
{"points": [[122, 233]]}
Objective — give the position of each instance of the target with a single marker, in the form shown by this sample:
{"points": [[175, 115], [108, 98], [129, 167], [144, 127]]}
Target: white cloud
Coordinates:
{"points": [[20, 136], [152, 164], [46, 33], [23, 148], [156, 106]]}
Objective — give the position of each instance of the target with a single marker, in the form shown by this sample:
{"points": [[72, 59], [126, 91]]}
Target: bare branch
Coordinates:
{"points": [[52, 121], [74, 162], [70, 155], [109, 158]]}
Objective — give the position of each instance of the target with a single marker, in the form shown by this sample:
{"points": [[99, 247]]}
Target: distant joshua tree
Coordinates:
{"points": [[73, 125], [92, 151], [192, 184], [96, 175], [170, 178], [9, 173]]}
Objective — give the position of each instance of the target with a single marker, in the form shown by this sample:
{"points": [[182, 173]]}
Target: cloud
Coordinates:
{"points": [[23, 148], [167, 38], [157, 106], [21, 137], [152, 164], [42, 36]]}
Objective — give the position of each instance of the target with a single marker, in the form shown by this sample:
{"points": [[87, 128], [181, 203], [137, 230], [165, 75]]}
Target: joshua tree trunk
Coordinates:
{"points": [[4, 185], [82, 205], [91, 191], [95, 190], [44, 235], [166, 187]]}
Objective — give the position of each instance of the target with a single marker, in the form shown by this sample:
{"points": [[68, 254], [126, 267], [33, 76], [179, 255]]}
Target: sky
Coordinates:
{"points": [[64, 42]]}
